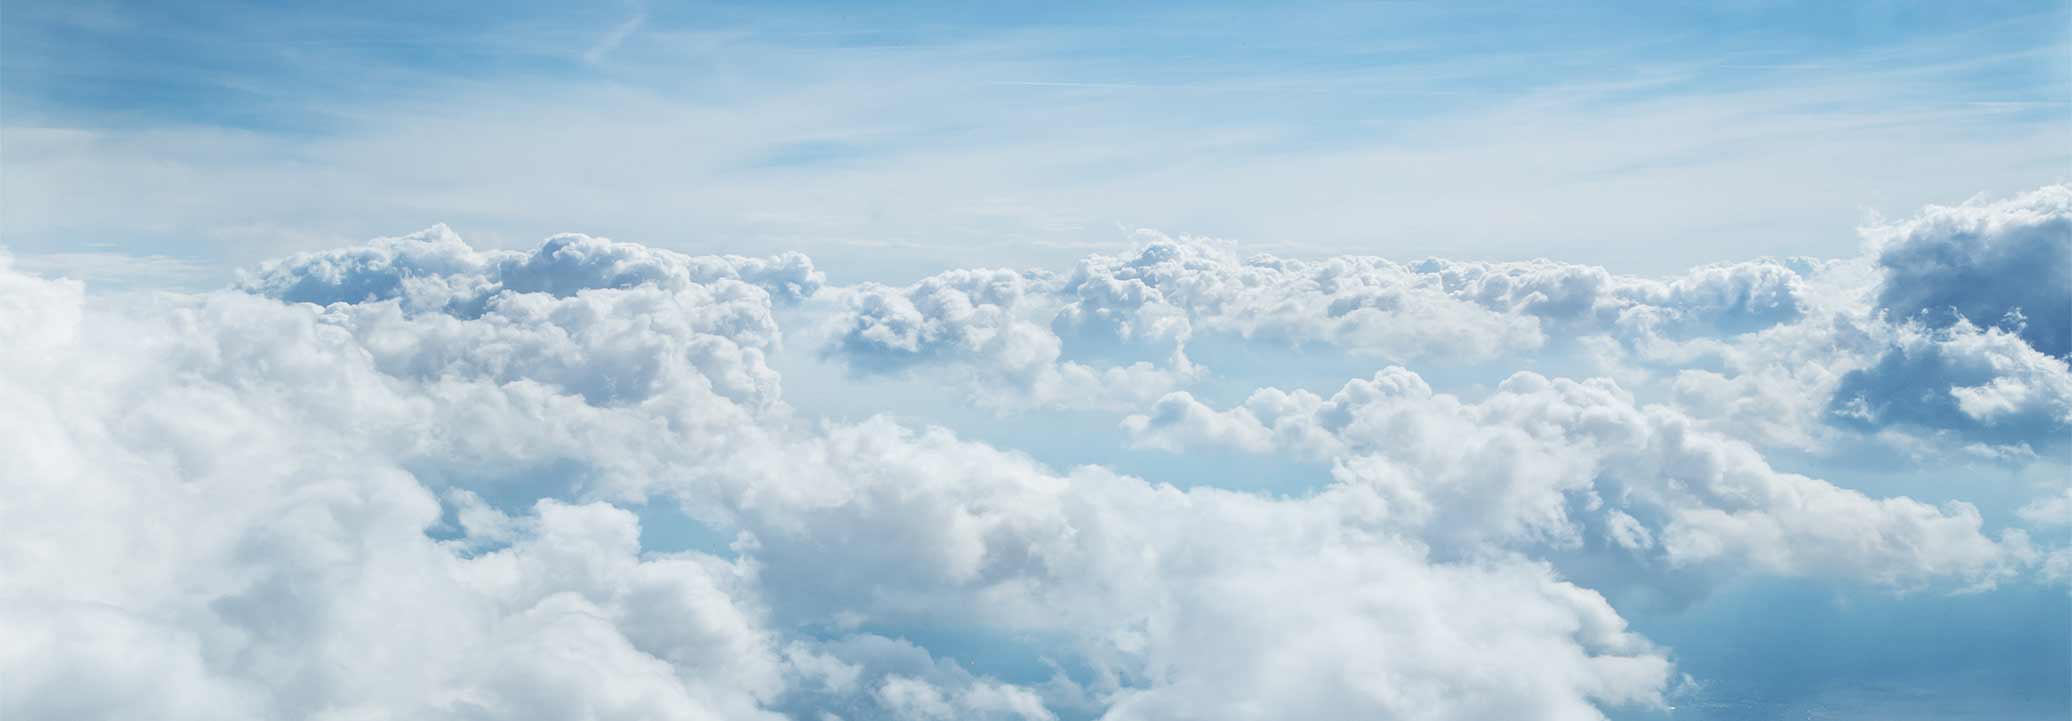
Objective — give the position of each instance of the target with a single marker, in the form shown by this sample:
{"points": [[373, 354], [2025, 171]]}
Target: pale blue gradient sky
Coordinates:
{"points": [[162, 144]]}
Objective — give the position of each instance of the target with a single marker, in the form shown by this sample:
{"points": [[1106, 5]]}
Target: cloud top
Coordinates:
{"points": [[413, 478]]}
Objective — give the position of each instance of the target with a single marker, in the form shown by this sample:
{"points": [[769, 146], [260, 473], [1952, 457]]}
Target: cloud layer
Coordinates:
{"points": [[414, 479]]}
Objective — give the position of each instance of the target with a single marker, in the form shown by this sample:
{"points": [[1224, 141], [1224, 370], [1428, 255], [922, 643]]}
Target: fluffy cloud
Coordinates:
{"points": [[1977, 309], [242, 501], [1118, 327], [1986, 384], [871, 676], [1363, 304], [1577, 299], [435, 269], [1146, 581], [985, 324], [1945, 338], [214, 499], [405, 479], [1546, 461], [1995, 263]]}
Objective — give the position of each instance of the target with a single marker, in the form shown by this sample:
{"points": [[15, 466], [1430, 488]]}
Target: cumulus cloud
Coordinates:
{"points": [[1951, 335], [1118, 326], [1722, 299], [1943, 339], [246, 495], [1363, 304], [434, 269], [1996, 263], [220, 490], [1983, 383], [408, 478], [986, 325], [1547, 461], [1198, 603]]}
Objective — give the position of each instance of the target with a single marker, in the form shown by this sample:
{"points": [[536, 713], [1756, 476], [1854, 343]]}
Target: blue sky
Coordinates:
{"points": [[900, 138]]}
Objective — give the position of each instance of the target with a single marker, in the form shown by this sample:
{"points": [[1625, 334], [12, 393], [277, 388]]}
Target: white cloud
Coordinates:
{"points": [[1543, 461], [1982, 383], [398, 479], [1115, 330], [434, 269], [1713, 300], [248, 485], [986, 325], [1992, 262], [2050, 511]]}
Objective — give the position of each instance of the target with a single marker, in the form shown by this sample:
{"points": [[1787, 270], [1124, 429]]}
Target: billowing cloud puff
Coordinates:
{"points": [[1579, 299], [1986, 384], [1772, 387], [1546, 461], [612, 322], [435, 269], [1367, 305], [2000, 263], [986, 325], [1927, 343], [1172, 594], [1120, 325], [1971, 317]]}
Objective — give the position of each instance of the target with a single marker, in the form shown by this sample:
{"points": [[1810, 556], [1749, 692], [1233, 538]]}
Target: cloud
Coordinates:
{"points": [[1545, 462], [1118, 327], [612, 322], [1967, 329], [985, 324], [234, 472], [1993, 262], [1907, 347], [254, 488], [1982, 383], [409, 478], [435, 269], [872, 676], [1712, 300], [2050, 511], [1173, 595]]}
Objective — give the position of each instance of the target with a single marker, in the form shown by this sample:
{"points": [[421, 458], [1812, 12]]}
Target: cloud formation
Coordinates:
{"points": [[1120, 326], [983, 325], [416, 479], [1992, 262], [434, 269], [1545, 462], [305, 442], [1985, 310]]}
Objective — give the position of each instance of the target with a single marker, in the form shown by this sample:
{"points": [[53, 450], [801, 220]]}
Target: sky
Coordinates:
{"points": [[923, 361], [901, 138]]}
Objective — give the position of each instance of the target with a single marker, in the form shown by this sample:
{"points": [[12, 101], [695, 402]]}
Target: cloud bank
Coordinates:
{"points": [[415, 479]]}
